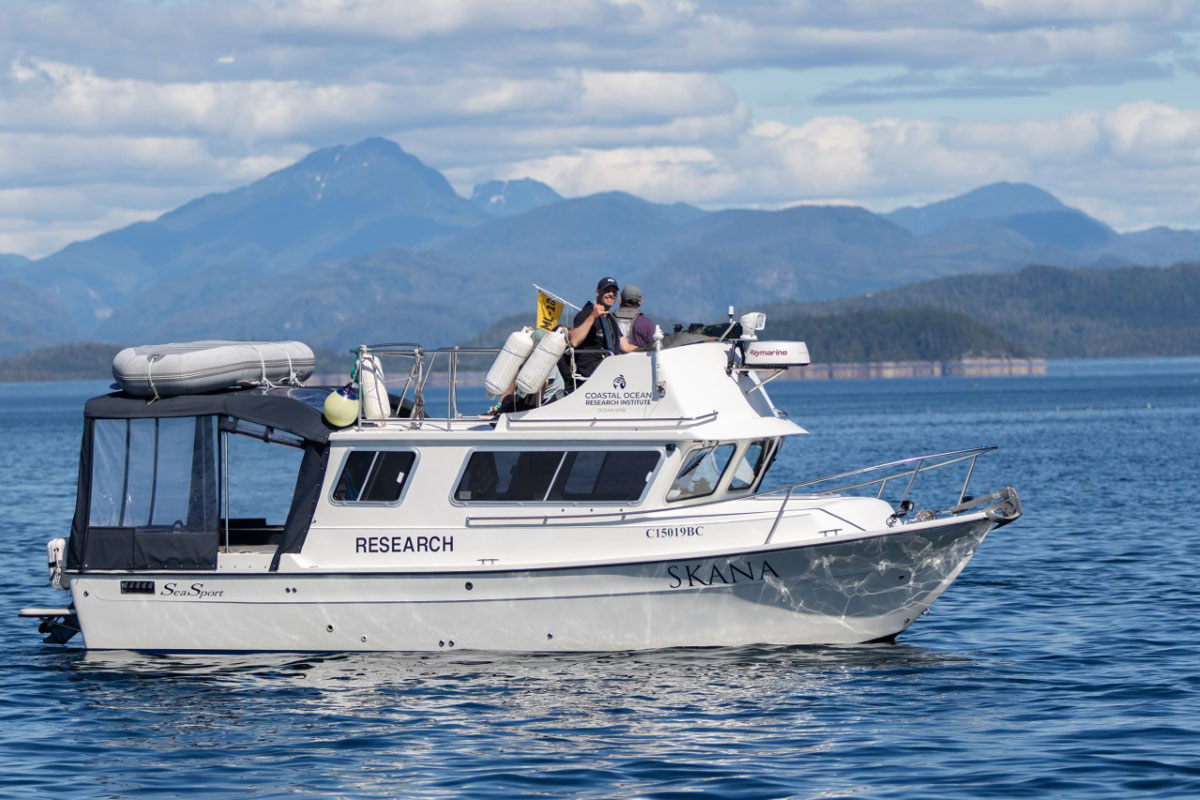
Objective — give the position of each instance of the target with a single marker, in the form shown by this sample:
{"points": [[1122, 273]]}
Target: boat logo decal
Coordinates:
{"points": [[197, 590], [619, 399], [404, 544], [671, 533], [692, 575]]}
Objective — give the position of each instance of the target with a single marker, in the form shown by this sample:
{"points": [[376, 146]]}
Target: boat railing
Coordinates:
{"points": [[865, 477], [893, 470], [424, 363], [1006, 499], [699, 419], [624, 515]]}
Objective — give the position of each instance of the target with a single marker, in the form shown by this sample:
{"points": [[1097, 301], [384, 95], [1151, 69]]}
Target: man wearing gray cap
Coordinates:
{"points": [[635, 326]]}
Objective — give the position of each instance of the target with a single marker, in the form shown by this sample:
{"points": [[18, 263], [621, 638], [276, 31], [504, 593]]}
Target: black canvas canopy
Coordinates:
{"points": [[295, 410], [149, 475]]}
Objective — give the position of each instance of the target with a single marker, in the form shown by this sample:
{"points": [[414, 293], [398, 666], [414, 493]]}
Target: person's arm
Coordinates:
{"points": [[627, 346], [577, 334]]}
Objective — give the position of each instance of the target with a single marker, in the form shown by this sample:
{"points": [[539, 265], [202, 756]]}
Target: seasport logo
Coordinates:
{"points": [[619, 382], [173, 589]]}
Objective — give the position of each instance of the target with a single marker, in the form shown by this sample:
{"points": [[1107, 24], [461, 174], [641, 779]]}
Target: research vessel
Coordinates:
{"points": [[631, 513]]}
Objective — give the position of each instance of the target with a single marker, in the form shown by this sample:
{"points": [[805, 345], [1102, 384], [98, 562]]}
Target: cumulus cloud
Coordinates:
{"points": [[842, 159], [119, 111]]}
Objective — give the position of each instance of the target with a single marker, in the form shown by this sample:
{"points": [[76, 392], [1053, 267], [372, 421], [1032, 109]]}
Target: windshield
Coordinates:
{"points": [[701, 472]]}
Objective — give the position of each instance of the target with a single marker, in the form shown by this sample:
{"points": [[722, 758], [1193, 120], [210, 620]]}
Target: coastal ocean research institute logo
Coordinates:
{"points": [[622, 397]]}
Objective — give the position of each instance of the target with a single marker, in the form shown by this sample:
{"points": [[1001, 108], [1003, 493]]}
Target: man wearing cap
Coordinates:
{"points": [[595, 333], [636, 327]]}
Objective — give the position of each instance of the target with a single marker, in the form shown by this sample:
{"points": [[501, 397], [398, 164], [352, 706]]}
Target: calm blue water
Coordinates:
{"points": [[1064, 663]]}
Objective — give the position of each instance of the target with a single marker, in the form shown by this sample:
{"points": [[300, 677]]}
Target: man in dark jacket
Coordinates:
{"points": [[595, 333]]}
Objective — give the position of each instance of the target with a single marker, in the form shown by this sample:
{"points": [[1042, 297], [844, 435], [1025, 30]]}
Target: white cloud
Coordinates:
{"points": [[186, 97], [1153, 134], [841, 159], [55, 96]]}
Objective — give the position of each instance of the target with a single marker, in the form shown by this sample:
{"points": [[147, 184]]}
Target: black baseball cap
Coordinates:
{"points": [[605, 283]]}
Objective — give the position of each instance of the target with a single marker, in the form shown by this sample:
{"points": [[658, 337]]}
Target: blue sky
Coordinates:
{"points": [[118, 111]]}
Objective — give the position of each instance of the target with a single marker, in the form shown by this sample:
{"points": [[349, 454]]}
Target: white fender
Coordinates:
{"points": [[375, 403], [545, 358], [508, 361]]}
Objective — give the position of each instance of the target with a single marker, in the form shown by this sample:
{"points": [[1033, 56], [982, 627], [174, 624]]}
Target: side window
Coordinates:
{"points": [[154, 473], [538, 476], [371, 476], [620, 475], [701, 472], [511, 476], [748, 467]]}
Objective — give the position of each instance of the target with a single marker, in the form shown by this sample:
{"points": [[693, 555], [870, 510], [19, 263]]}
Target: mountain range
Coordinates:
{"points": [[364, 243]]}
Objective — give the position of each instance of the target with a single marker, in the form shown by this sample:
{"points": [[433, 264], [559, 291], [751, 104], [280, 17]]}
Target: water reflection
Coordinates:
{"points": [[709, 680], [498, 721]]}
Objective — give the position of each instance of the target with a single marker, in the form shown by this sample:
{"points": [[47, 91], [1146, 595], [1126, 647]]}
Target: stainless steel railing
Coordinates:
{"points": [[904, 468], [908, 467], [425, 363]]}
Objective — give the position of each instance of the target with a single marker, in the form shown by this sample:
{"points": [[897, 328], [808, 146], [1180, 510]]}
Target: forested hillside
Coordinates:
{"points": [[1053, 312]]}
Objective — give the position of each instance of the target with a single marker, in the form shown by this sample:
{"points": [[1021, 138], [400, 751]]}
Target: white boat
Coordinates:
{"points": [[629, 514]]}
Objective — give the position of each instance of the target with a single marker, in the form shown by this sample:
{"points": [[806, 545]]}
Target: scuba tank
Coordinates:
{"points": [[545, 358], [508, 361]]}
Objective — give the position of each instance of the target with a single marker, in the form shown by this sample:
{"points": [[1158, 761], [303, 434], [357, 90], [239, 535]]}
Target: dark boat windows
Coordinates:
{"points": [[749, 466], [701, 472], [616, 476], [373, 476], [535, 476]]}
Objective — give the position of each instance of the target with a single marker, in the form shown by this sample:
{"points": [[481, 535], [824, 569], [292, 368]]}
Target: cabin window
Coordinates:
{"points": [[536, 476], [749, 466], [619, 475], [370, 476], [153, 473], [701, 472]]}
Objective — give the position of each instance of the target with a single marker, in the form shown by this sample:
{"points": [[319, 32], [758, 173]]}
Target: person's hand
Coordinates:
{"points": [[599, 310]]}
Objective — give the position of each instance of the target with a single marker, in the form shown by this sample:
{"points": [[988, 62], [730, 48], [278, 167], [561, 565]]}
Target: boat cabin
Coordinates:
{"points": [[175, 483]]}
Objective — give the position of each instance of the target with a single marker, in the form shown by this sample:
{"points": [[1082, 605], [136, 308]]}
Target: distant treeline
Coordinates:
{"points": [[1045, 312], [910, 334], [68, 362], [92, 361], [1048, 312], [851, 336]]}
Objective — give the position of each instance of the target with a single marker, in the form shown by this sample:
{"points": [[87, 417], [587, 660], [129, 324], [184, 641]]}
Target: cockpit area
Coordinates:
{"points": [[167, 484]]}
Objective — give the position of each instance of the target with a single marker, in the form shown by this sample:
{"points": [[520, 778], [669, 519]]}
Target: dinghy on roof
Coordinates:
{"points": [[167, 370]]}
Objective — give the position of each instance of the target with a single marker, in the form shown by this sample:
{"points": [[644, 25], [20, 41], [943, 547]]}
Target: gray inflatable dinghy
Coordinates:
{"points": [[165, 370]]}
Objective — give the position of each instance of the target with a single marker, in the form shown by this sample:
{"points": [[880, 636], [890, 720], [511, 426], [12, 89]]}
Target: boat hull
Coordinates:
{"points": [[841, 591]]}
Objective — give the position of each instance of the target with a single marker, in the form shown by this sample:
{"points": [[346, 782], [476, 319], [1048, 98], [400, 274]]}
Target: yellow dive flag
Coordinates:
{"points": [[549, 310]]}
